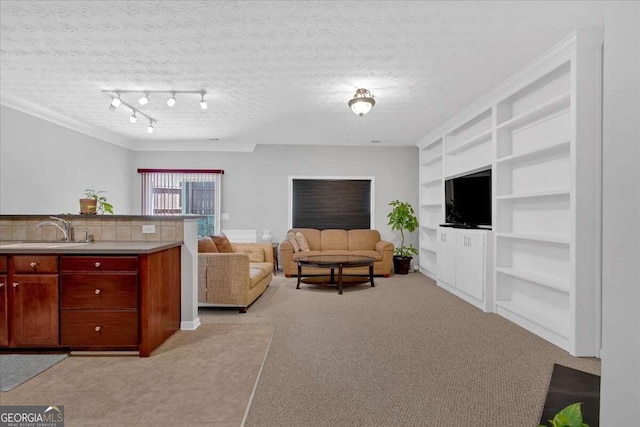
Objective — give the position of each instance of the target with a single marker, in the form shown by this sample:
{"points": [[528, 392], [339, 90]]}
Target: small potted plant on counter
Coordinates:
{"points": [[94, 202], [402, 218]]}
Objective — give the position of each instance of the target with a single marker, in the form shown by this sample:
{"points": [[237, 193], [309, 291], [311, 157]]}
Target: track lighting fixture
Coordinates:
{"points": [[172, 101], [116, 100], [203, 103], [144, 100]]}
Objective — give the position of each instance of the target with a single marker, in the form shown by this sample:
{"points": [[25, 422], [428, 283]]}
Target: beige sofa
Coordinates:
{"points": [[339, 242], [235, 279]]}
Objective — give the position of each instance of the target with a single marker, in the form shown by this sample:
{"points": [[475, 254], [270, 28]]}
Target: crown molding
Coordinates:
{"points": [[62, 120]]}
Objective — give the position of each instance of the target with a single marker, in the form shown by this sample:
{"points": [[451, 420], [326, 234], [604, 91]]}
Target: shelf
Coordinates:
{"points": [[432, 160], [551, 193], [536, 237], [430, 227], [430, 205], [424, 248], [432, 181], [541, 151], [539, 279], [476, 140], [533, 316], [556, 105]]}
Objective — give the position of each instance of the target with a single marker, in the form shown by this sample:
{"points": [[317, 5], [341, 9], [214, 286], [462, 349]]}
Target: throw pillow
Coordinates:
{"points": [[205, 244], [291, 238], [223, 244], [302, 242]]}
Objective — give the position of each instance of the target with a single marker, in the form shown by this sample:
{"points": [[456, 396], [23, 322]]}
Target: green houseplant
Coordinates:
{"points": [[94, 202], [571, 416], [402, 218]]}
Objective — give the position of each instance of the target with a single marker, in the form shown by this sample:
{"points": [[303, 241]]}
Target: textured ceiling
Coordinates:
{"points": [[275, 72]]}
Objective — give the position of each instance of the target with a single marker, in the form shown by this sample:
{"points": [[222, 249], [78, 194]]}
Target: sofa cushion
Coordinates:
{"points": [[377, 256], [206, 245], [291, 238], [255, 254], [333, 240], [298, 255], [223, 244], [363, 240], [311, 235], [302, 242], [258, 271]]}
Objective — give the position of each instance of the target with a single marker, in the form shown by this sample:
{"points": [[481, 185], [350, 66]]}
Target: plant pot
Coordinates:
{"points": [[88, 206], [401, 264]]}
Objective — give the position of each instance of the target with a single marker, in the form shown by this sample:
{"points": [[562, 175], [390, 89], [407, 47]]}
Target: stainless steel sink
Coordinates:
{"points": [[41, 245]]}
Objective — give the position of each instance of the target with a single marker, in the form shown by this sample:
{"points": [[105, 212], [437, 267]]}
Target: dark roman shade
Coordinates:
{"points": [[331, 203]]}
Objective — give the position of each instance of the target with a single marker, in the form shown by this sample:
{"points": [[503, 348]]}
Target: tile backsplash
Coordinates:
{"points": [[103, 228]]}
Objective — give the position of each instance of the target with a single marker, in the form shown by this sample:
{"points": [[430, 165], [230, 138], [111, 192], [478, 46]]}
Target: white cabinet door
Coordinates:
{"points": [[447, 255], [470, 262]]}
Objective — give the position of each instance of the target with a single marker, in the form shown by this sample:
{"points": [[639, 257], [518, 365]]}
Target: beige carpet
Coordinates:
{"points": [[405, 353], [197, 378]]}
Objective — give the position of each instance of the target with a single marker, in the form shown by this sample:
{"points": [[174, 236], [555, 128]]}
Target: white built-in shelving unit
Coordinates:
{"points": [[539, 132]]}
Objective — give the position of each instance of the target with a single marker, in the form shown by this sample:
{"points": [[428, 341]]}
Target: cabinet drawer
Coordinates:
{"points": [[98, 291], [99, 263], [3, 264], [35, 264], [98, 328]]}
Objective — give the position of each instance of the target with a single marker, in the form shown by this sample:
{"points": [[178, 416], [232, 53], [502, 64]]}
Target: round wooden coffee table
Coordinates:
{"points": [[335, 261]]}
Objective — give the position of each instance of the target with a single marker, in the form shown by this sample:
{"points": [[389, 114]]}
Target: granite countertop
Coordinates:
{"points": [[81, 248]]}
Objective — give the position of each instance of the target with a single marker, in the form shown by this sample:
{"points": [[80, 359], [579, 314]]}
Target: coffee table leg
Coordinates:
{"points": [[299, 274], [333, 277], [339, 279], [371, 275]]}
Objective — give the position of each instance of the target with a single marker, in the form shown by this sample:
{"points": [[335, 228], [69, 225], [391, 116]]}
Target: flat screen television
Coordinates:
{"points": [[468, 200]]}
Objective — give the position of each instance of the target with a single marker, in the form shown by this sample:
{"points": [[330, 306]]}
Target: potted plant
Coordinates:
{"points": [[94, 202], [571, 416], [402, 218]]}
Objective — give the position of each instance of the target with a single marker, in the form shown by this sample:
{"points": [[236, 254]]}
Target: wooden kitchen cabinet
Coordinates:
{"points": [[99, 302], [4, 331], [33, 299]]}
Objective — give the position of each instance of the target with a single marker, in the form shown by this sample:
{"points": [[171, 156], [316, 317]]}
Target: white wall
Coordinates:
{"points": [[620, 392], [45, 168], [255, 185]]}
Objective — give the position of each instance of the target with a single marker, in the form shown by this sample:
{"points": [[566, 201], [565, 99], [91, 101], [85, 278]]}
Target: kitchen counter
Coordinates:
{"points": [[91, 248]]}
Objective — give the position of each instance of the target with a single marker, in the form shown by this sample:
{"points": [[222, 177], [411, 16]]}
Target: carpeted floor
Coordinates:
{"points": [[197, 378], [18, 368], [405, 353]]}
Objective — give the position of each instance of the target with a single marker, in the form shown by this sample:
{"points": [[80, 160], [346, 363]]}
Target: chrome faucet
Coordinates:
{"points": [[64, 226]]}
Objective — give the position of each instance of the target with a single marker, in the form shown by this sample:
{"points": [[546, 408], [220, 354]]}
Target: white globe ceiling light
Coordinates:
{"points": [[362, 102]]}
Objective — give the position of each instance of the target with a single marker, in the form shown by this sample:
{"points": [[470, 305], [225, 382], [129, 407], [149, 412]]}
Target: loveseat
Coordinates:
{"points": [[234, 279], [337, 242]]}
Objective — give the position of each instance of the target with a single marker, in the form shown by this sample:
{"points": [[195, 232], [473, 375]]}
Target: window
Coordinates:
{"points": [[331, 202], [183, 192]]}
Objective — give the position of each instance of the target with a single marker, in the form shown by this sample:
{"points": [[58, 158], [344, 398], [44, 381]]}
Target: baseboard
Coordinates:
{"points": [[190, 326]]}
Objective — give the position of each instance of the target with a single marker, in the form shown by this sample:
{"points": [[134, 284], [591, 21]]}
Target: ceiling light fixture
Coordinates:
{"points": [[134, 111], [172, 101], [133, 117], [203, 103], [362, 102], [150, 127], [144, 100], [116, 101]]}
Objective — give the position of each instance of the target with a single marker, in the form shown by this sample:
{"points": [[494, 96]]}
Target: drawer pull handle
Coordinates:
{"points": [[15, 284], [97, 291], [33, 264], [97, 265], [98, 328]]}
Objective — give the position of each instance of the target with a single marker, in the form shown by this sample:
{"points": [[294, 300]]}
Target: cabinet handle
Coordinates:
{"points": [[1, 284], [15, 284], [98, 328], [97, 264], [97, 291], [33, 264]]}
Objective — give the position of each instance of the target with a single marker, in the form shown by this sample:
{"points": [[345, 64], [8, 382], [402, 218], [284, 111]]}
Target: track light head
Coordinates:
{"points": [[144, 100], [112, 108], [203, 103], [133, 118], [172, 101], [116, 101], [150, 127]]}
